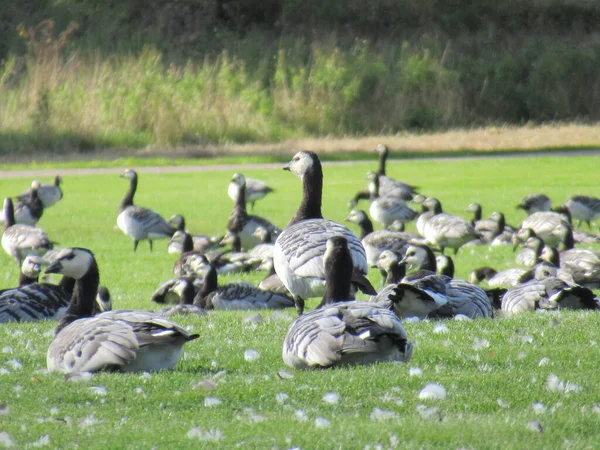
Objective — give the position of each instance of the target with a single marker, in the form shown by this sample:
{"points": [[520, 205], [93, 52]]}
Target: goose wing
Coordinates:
{"points": [[245, 297], [37, 301], [450, 226], [150, 221], [523, 297], [468, 299], [27, 236]]}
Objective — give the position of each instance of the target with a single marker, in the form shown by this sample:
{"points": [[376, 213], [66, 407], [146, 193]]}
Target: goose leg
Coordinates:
{"points": [[251, 206], [135, 244], [150, 244], [299, 301]]}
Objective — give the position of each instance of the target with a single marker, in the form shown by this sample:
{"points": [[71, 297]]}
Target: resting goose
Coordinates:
{"points": [[235, 295], [427, 294], [530, 255], [255, 190], [180, 291], [343, 332], [20, 240], [446, 230], [375, 242], [581, 264], [583, 208], [533, 203], [201, 242], [547, 225], [243, 224], [137, 222], [299, 249], [123, 340], [387, 210], [503, 279]]}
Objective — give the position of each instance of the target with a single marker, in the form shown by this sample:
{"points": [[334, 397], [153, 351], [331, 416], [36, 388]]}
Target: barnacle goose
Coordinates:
{"points": [[445, 230], [530, 254], [236, 295], [255, 190], [390, 187], [49, 194], [426, 294], [547, 225], [243, 224], [504, 278], [581, 264], [122, 340], [375, 242], [533, 203], [385, 209], [342, 332], [492, 230], [299, 249], [182, 292], [445, 265], [137, 222], [583, 208], [271, 282], [201, 242], [29, 208], [389, 264], [20, 240]]}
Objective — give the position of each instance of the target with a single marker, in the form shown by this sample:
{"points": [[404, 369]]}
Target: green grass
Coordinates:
{"points": [[479, 362]]}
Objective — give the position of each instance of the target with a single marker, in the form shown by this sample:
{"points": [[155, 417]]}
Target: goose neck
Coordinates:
{"points": [[338, 273], [395, 274], [366, 227], [9, 214], [382, 160], [128, 199], [83, 298], [312, 191], [210, 285]]}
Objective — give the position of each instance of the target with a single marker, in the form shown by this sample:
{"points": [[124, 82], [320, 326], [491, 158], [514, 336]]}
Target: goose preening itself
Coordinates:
{"points": [[236, 295], [126, 341], [533, 203], [426, 294], [137, 222], [49, 194], [445, 230], [255, 190], [385, 209], [182, 292], [299, 249], [20, 240], [583, 208], [343, 332], [243, 224]]}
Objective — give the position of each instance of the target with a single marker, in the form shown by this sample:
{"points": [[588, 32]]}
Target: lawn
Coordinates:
{"points": [[524, 382]]}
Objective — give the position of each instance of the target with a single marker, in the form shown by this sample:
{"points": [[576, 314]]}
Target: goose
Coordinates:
{"points": [[492, 230], [530, 254], [255, 190], [103, 300], [427, 294], [201, 242], [390, 187], [445, 265], [503, 279], [375, 242], [387, 210], [547, 292], [243, 224], [235, 295], [49, 194], [388, 263], [299, 249], [581, 264], [30, 270], [583, 208], [137, 222], [29, 209], [122, 340], [343, 332], [20, 240], [180, 291], [446, 230], [271, 282], [264, 250], [547, 225], [533, 203]]}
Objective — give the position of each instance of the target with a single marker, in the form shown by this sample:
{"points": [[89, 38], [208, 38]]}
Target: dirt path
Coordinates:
{"points": [[236, 167]]}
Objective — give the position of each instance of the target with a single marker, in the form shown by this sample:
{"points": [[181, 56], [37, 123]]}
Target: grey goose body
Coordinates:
{"points": [[533, 203], [255, 190], [49, 194], [584, 208]]}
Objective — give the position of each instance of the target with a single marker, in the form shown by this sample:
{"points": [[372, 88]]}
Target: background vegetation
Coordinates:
{"points": [[77, 75]]}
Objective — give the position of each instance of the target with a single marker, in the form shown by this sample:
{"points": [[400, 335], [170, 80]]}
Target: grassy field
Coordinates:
{"points": [[500, 375]]}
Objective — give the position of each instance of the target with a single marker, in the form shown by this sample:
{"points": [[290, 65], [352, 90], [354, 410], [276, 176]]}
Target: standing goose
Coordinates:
{"points": [[342, 332], [236, 296], [126, 341], [137, 222], [533, 203], [49, 194], [390, 187], [387, 210], [299, 249], [29, 208], [446, 230], [583, 208], [255, 190], [243, 224], [20, 240]]}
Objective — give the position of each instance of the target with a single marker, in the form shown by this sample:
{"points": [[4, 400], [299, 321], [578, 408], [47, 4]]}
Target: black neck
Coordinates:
{"points": [[501, 224], [568, 241], [375, 192], [67, 284], [188, 244], [437, 208], [210, 285], [25, 280], [187, 295], [83, 299], [396, 273], [430, 263], [9, 214], [240, 201], [448, 270], [366, 227], [477, 214], [338, 274], [312, 191], [128, 199], [236, 245], [57, 181], [382, 160]]}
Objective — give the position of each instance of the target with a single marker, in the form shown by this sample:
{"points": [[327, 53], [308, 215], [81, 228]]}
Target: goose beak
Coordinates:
{"points": [[287, 167], [54, 267]]}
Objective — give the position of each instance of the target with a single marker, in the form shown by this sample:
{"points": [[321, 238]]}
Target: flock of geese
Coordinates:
{"points": [[312, 257]]}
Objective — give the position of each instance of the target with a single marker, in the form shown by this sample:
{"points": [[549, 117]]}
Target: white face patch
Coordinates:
{"points": [[78, 265], [300, 163], [128, 173], [238, 179]]}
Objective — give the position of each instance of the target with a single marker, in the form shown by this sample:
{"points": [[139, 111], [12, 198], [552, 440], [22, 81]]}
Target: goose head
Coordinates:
{"points": [[302, 163], [445, 265], [263, 234], [57, 180], [356, 216], [381, 148], [73, 262], [387, 260], [417, 257], [177, 221], [551, 255], [474, 207], [130, 174], [103, 299], [545, 270], [432, 204], [238, 179], [32, 266]]}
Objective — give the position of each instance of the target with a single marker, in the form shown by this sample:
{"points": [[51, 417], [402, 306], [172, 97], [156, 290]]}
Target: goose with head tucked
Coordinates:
{"points": [[122, 340], [137, 222], [583, 208], [344, 332], [243, 224], [533, 203], [20, 240], [299, 249], [240, 296], [255, 190], [385, 209]]}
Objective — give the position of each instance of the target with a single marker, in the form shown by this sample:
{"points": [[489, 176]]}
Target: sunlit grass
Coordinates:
{"points": [[496, 372]]}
